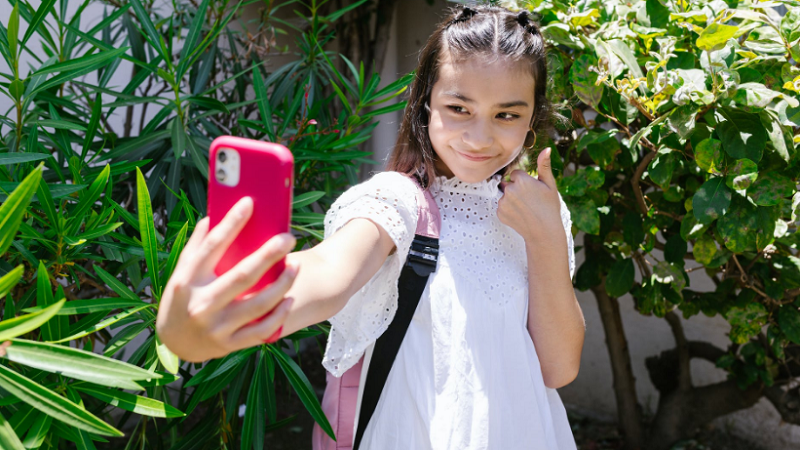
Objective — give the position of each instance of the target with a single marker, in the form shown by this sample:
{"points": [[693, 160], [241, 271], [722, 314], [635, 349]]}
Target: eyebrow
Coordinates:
{"points": [[501, 105]]}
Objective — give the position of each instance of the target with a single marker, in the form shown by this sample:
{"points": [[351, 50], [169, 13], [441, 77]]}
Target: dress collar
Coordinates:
{"points": [[486, 188]]}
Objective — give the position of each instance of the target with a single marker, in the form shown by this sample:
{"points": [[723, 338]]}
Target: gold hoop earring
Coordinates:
{"points": [[532, 146]]}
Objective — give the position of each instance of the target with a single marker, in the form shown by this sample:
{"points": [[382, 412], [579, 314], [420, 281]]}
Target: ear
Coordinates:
{"points": [[545, 169]]}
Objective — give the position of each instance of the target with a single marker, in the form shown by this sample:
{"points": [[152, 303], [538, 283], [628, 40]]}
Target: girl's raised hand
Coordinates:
{"points": [[198, 318], [531, 206]]}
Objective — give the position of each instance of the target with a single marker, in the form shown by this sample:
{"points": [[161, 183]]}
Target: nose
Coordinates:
{"points": [[478, 135]]}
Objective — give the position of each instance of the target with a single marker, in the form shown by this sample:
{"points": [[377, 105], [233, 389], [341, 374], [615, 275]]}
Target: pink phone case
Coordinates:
{"points": [[265, 176]]}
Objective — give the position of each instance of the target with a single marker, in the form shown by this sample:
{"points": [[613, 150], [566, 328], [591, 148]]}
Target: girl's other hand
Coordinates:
{"points": [[531, 206], [198, 318]]}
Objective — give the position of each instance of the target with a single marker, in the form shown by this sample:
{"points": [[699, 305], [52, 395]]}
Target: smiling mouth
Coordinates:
{"points": [[474, 158]]}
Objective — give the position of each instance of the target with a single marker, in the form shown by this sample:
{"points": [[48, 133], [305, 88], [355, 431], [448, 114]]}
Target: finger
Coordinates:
{"points": [[250, 336], [517, 175], [249, 270], [218, 239], [254, 306], [545, 170]]}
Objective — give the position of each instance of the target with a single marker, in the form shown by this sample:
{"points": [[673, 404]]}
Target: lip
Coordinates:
{"points": [[474, 158]]}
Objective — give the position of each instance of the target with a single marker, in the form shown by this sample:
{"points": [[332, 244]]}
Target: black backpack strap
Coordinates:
{"points": [[420, 263]]}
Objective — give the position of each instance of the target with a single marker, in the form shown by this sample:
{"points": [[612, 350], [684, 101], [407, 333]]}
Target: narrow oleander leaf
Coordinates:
{"points": [[100, 325], [38, 18], [18, 326], [16, 158], [254, 420], [174, 254], [88, 200], [10, 280], [8, 438], [53, 404], [130, 402], [116, 285], [79, 364], [168, 359], [303, 388], [14, 207], [87, 306], [148, 233]]}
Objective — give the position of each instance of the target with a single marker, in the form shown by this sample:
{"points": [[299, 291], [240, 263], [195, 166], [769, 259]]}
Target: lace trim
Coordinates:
{"points": [[485, 188]]}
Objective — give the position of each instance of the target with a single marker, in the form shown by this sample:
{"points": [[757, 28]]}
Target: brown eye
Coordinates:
{"points": [[508, 117], [458, 109]]}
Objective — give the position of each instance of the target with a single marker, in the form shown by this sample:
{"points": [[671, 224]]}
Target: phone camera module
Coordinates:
{"points": [[220, 175], [222, 156]]}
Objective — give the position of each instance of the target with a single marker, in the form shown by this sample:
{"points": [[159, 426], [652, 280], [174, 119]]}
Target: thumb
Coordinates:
{"points": [[545, 169]]}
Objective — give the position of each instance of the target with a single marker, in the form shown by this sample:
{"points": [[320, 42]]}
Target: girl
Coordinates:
{"points": [[497, 328]]}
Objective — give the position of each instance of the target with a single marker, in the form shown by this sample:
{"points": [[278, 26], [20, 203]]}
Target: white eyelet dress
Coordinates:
{"points": [[467, 375]]}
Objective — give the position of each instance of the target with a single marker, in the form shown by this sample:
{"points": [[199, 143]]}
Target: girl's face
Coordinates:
{"points": [[480, 113]]}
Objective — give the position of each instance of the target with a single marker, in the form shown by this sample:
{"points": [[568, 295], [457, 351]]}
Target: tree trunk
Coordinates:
{"points": [[628, 410]]}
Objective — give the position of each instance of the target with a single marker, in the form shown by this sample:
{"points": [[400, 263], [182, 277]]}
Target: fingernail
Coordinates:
{"points": [[275, 336], [244, 203], [291, 270]]}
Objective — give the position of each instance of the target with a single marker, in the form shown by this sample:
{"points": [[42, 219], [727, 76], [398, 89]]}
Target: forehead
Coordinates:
{"points": [[482, 76]]}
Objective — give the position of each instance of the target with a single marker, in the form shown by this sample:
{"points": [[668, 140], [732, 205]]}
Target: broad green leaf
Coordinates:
{"points": [[168, 359], [148, 233], [759, 96], [79, 364], [770, 188], [303, 388], [742, 135], [709, 156], [14, 207], [18, 326], [620, 278], [739, 226], [53, 404], [715, 36], [789, 321], [704, 249], [584, 81], [742, 174], [711, 201], [584, 214], [8, 438], [662, 167], [135, 403]]}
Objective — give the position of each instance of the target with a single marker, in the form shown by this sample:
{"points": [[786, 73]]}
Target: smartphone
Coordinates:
{"points": [[264, 171]]}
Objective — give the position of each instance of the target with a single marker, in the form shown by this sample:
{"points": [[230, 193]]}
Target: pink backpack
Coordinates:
{"points": [[340, 401]]}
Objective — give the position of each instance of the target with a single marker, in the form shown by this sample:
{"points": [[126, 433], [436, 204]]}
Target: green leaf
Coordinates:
{"points": [[739, 226], [94, 122], [209, 103], [148, 232], [789, 321], [116, 285], [93, 305], [38, 431], [88, 200], [709, 156], [58, 326], [742, 174], [303, 389], [130, 402], [175, 252], [759, 96], [53, 404], [14, 207], [583, 81], [102, 324], [13, 33], [38, 18], [79, 364], [10, 279], [770, 188], [620, 278], [16, 89], [168, 359], [192, 37], [742, 134], [254, 420], [8, 438], [715, 36], [306, 199], [662, 167], [17, 326], [632, 231], [711, 201], [704, 249], [584, 214], [151, 34]]}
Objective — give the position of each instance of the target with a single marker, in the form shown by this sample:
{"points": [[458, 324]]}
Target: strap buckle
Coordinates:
{"points": [[423, 255]]}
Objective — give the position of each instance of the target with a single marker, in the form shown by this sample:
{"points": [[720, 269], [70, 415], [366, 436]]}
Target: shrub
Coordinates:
{"points": [[101, 214]]}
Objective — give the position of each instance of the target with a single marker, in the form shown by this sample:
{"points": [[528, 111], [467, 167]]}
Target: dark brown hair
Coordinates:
{"points": [[479, 30]]}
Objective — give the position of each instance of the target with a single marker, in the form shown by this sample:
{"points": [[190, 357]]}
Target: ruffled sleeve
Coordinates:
{"points": [[566, 221], [389, 200]]}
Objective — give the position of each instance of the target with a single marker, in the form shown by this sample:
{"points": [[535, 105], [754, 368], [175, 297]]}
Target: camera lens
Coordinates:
{"points": [[222, 156], [220, 175]]}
